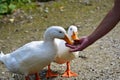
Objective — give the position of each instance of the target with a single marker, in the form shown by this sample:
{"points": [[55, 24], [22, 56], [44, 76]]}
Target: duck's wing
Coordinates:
{"points": [[27, 51]]}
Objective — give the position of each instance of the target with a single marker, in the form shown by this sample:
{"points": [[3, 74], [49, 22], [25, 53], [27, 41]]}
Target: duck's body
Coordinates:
{"points": [[33, 59], [64, 55], [34, 56]]}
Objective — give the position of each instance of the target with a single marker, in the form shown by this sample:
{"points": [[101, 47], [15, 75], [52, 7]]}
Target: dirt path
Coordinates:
{"points": [[100, 61]]}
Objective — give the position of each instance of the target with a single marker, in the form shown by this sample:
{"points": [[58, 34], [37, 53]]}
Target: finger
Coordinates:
{"points": [[70, 46], [74, 50]]}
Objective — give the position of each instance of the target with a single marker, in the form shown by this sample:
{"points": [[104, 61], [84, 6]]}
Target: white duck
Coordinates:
{"points": [[64, 55], [34, 56]]}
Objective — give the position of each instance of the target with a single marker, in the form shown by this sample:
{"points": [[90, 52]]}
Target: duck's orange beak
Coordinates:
{"points": [[75, 36], [67, 40]]}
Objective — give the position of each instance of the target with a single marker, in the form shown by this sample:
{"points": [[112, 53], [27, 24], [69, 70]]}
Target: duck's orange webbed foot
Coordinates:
{"points": [[50, 73], [68, 72]]}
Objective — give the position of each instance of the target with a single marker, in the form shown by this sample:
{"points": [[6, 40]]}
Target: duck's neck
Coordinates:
{"points": [[69, 37], [48, 38], [50, 42]]}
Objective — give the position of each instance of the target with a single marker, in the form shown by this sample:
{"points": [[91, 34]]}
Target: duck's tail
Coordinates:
{"points": [[1, 56]]}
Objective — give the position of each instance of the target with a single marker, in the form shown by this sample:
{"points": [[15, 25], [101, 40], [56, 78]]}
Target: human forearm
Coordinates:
{"points": [[108, 23]]}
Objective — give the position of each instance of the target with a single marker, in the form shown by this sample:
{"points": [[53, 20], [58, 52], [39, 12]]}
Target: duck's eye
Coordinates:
{"points": [[60, 31], [71, 29]]}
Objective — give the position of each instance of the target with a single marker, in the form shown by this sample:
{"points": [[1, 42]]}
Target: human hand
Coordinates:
{"points": [[79, 45]]}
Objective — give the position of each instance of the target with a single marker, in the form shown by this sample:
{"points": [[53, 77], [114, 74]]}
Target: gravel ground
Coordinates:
{"points": [[100, 61]]}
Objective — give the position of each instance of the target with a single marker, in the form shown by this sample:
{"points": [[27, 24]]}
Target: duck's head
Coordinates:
{"points": [[73, 32], [57, 32]]}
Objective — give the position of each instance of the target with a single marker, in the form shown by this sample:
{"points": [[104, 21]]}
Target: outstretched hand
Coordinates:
{"points": [[79, 45]]}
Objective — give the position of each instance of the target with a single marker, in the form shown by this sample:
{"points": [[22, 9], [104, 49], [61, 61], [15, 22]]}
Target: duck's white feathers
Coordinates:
{"points": [[64, 55], [34, 56], [20, 62], [1, 56]]}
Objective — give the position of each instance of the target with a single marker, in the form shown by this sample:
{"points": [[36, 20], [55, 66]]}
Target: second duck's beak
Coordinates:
{"points": [[74, 36], [67, 39]]}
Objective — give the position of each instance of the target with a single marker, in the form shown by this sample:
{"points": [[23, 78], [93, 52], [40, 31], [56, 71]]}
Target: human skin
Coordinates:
{"points": [[106, 25]]}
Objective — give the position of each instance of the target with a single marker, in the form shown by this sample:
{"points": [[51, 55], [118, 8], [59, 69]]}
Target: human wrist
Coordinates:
{"points": [[91, 39]]}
